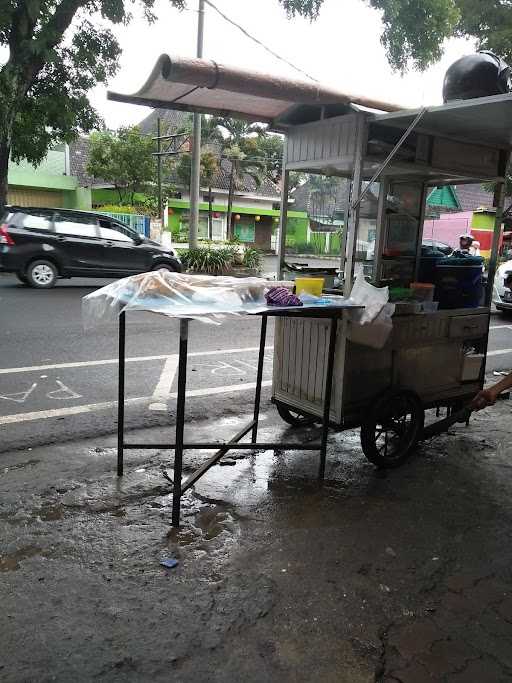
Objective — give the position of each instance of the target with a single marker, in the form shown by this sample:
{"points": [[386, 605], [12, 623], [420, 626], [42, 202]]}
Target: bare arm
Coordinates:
{"points": [[487, 397]]}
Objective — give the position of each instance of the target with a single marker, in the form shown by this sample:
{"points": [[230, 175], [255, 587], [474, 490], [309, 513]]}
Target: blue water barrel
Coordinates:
{"points": [[459, 282]]}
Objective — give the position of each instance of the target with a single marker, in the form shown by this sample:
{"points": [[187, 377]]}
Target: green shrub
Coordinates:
{"points": [[207, 260], [252, 258]]}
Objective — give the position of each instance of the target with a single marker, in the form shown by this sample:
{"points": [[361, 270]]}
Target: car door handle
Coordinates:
{"points": [[61, 239], [109, 244]]}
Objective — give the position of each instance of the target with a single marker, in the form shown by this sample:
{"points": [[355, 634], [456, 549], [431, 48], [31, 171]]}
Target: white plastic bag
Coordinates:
{"points": [[372, 298], [376, 333]]}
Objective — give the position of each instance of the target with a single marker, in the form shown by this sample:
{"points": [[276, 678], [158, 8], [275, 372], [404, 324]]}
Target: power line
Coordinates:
{"points": [[258, 42]]}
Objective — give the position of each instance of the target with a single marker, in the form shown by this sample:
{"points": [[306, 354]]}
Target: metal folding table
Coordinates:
{"points": [[332, 311]]}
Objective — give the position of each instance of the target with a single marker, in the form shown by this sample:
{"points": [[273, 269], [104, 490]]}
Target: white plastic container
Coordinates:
{"points": [[471, 367]]}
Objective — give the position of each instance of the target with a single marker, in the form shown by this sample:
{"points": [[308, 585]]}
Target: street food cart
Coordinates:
{"points": [[432, 359]]}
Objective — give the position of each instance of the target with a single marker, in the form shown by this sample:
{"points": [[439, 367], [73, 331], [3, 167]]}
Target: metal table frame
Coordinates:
{"points": [[179, 488]]}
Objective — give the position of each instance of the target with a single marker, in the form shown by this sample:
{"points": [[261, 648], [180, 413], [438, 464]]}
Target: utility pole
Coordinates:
{"points": [[196, 147], [159, 168]]}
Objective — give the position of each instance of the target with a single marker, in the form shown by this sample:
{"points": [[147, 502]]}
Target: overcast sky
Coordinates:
{"points": [[341, 49]]}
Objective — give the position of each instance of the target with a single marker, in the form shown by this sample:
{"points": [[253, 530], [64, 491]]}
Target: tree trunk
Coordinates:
{"points": [[4, 168], [230, 200], [210, 217]]}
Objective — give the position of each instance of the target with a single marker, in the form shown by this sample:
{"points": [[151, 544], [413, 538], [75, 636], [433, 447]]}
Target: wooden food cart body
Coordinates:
{"points": [[464, 142]]}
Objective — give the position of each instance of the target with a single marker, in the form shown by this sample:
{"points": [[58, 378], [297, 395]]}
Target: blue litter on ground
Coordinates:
{"points": [[170, 563]]}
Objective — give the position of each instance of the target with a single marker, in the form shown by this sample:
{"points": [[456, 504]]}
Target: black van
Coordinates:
{"points": [[41, 245]]}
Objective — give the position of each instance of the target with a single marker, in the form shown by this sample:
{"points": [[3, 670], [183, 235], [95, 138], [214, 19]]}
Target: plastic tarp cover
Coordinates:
{"points": [[203, 297]]}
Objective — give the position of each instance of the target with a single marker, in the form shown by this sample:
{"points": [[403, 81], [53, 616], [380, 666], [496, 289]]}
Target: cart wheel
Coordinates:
{"points": [[294, 417], [392, 428]]}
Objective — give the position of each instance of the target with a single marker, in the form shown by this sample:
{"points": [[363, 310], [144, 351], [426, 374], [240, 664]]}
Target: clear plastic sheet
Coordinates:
{"points": [[204, 297]]}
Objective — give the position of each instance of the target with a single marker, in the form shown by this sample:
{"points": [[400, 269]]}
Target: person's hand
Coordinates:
{"points": [[484, 398]]}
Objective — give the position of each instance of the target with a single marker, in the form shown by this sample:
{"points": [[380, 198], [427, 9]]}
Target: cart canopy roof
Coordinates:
{"points": [[486, 120], [204, 86]]}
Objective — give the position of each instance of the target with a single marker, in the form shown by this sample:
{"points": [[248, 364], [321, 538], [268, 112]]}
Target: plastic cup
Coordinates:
{"points": [[310, 285]]}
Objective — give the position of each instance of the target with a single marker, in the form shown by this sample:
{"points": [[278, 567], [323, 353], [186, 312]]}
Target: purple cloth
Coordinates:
{"points": [[280, 296]]}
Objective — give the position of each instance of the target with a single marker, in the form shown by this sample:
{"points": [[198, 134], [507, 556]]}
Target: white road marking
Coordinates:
{"points": [[94, 407], [500, 327], [499, 352], [113, 361], [23, 395], [64, 412], [63, 393], [224, 390], [163, 388]]}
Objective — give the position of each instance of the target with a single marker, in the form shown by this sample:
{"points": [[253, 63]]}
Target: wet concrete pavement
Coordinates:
{"points": [[377, 576]]}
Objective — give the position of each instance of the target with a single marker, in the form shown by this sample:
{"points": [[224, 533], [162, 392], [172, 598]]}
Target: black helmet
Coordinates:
{"points": [[478, 75]]}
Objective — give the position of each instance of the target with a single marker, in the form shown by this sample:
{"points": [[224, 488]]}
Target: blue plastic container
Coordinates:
{"points": [[459, 282]]}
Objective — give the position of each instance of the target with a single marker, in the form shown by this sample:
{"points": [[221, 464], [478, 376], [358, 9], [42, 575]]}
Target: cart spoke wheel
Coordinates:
{"points": [[294, 417], [392, 428]]}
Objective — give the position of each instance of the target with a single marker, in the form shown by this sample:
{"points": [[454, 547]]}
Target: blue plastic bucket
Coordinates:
{"points": [[459, 282]]}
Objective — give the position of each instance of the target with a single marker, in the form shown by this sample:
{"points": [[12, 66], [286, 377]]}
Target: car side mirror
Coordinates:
{"points": [[138, 239]]}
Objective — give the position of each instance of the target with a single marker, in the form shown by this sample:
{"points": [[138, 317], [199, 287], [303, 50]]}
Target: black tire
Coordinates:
{"points": [[42, 274], [164, 266], [22, 278], [294, 417], [392, 428]]}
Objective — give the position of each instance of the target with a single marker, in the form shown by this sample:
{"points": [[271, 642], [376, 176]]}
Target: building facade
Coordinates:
{"points": [[51, 184]]}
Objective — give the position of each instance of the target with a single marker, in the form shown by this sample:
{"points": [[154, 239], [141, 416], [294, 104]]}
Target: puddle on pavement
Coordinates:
{"points": [[207, 525], [50, 513], [212, 522], [11, 561]]}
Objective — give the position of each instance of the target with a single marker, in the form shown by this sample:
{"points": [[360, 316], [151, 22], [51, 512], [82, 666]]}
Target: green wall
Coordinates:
{"points": [[483, 221]]}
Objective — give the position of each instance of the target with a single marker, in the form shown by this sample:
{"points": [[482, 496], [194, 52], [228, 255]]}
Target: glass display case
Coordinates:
{"points": [[401, 221]]}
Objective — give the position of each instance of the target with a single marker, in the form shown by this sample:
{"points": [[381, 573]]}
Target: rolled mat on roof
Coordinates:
{"points": [[203, 85]]}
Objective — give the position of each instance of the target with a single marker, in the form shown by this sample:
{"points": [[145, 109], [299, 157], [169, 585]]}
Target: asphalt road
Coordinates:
{"points": [[58, 382]]}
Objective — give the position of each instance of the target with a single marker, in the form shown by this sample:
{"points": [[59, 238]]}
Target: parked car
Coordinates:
{"points": [[428, 247], [438, 246], [42, 245], [502, 296]]}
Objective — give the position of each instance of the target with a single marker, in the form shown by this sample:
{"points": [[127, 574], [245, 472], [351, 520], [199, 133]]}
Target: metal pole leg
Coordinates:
{"points": [[120, 394], [327, 396], [259, 377], [180, 423]]}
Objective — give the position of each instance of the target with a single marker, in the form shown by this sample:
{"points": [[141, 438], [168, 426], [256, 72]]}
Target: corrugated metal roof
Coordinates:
{"points": [[485, 120], [445, 197]]}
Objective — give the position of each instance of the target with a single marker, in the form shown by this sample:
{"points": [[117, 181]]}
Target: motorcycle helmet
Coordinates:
{"points": [[477, 75]]}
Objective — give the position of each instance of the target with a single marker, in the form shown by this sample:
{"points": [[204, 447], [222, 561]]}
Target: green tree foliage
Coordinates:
{"points": [[209, 167], [240, 147], [123, 158], [269, 149], [56, 53]]}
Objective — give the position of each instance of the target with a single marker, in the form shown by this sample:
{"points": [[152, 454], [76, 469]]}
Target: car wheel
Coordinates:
{"points": [[164, 266], [42, 274], [22, 277]]}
